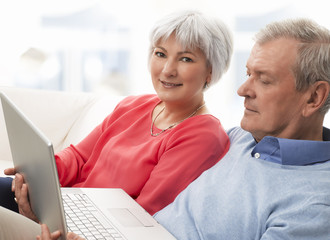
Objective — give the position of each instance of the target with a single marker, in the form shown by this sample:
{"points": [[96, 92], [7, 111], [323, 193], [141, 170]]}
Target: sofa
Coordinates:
{"points": [[64, 117]]}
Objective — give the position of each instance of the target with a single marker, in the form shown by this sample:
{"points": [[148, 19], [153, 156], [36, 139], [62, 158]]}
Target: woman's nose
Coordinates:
{"points": [[170, 69]]}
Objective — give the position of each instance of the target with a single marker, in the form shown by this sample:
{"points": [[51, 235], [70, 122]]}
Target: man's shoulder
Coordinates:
{"points": [[238, 134]]}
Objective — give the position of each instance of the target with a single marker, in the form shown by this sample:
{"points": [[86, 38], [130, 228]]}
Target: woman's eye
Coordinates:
{"points": [[159, 54], [186, 59]]}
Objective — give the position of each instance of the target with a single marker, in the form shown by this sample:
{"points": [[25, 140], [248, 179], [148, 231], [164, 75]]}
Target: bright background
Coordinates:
{"points": [[101, 46]]}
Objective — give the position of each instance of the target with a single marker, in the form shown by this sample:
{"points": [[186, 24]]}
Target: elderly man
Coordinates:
{"points": [[274, 183]]}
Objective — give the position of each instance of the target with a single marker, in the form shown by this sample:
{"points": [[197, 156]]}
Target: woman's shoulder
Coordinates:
{"points": [[204, 120], [203, 130], [205, 124], [135, 100], [132, 106]]}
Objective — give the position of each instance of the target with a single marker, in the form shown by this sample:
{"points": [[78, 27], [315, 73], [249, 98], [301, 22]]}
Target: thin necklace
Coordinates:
{"points": [[173, 124]]}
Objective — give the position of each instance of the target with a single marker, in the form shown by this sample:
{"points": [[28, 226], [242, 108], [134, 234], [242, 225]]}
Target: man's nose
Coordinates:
{"points": [[247, 88]]}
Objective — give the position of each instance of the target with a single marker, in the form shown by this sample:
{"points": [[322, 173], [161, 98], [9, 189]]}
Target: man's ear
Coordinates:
{"points": [[318, 94]]}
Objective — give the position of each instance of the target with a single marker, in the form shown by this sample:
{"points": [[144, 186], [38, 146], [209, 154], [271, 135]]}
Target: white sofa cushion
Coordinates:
{"points": [[64, 117]]}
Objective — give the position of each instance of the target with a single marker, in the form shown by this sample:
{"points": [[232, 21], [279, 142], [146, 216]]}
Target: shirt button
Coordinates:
{"points": [[257, 155]]}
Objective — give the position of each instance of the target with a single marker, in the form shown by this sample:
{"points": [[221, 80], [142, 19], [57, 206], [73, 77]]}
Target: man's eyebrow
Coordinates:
{"points": [[258, 71], [263, 72]]}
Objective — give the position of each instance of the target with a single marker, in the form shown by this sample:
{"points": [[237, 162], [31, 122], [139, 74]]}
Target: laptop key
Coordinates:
{"points": [[83, 218]]}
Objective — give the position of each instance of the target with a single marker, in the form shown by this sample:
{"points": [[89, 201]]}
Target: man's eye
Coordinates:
{"points": [[265, 82], [186, 59]]}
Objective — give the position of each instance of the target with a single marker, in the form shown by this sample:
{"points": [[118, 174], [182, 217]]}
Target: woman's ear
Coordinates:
{"points": [[208, 79], [209, 76], [318, 94]]}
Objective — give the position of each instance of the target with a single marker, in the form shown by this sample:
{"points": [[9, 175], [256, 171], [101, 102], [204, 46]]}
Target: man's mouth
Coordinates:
{"points": [[249, 108]]}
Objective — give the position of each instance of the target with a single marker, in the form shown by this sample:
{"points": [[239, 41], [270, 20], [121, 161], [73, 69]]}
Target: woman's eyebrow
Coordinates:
{"points": [[185, 52], [161, 48], [178, 53]]}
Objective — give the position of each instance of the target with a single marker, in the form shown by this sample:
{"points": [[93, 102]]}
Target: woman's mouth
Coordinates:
{"points": [[171, 85]]}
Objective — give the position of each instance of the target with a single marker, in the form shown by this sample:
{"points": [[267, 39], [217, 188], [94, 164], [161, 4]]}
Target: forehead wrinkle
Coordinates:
{"points": [[256, 61]]}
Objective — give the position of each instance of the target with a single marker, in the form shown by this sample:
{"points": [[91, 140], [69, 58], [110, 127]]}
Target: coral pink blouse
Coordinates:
{"points": [[121, 153]]}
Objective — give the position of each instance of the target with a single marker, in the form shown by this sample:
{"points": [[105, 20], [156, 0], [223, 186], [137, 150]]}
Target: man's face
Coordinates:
{"points": [[273, 106]]}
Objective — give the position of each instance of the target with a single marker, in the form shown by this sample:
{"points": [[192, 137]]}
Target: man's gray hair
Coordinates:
{"points": [[313, 60], [193, 30]]}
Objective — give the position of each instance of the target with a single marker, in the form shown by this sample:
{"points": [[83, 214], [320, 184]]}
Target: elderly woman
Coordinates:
{"points": [[153, 146]]}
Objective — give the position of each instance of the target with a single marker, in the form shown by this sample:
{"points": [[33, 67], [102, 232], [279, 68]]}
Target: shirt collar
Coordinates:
{"points": [[293, 152]]}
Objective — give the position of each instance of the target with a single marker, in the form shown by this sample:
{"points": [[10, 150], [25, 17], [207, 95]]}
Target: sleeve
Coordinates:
{"points": [[71, 160], [305, 222], [191, 149]]}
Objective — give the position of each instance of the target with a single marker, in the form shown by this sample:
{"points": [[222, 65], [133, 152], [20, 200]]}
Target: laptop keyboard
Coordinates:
{"points": [[83, 218]]}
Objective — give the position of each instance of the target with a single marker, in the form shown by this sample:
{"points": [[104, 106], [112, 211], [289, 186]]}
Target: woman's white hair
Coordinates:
{"points": [[192, 30]]}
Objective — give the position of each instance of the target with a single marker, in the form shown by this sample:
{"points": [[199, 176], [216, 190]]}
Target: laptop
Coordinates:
{"points": [[116, 214]]}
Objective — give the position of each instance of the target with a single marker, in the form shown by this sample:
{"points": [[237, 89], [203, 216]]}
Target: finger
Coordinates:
{"points": [[13, 186], [18, 185], [23, 199], [73, 236], [9, 171], [55, 235], [45, 233], [24, 204]]}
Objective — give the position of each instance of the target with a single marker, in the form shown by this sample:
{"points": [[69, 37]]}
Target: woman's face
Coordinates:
{"points": [[179, 75]]}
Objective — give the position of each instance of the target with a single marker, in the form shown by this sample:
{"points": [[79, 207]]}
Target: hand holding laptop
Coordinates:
{"points": [[21, 194], [46, 235]]}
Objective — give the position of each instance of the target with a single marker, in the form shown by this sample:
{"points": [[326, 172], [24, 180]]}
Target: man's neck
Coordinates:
{"points": [[313, 132]]}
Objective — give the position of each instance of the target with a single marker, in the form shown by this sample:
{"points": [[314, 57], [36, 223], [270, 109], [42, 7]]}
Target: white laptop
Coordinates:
{"points": [[116, 214]]}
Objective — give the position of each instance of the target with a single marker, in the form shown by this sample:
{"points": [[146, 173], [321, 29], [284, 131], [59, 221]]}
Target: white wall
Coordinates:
{"points": [[62, 49]]}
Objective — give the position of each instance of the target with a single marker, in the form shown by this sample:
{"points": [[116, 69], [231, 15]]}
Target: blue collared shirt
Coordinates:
{"points": [[276, 189], [293, 152]]}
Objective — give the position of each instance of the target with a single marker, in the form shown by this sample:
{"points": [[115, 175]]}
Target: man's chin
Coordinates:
{"points": [[245, 124], [248, 125]]}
